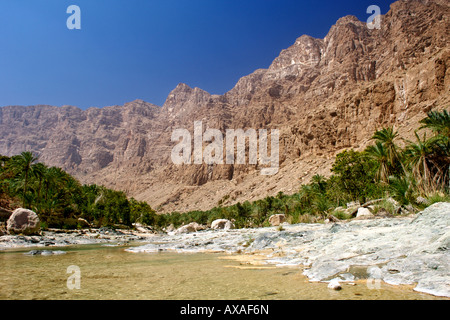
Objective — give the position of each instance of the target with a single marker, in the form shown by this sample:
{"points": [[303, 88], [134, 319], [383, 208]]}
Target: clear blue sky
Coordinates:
{"points": [[141, 49]]}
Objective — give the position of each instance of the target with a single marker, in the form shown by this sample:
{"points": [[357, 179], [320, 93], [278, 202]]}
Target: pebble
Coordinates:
{"points": [[335, 285]]}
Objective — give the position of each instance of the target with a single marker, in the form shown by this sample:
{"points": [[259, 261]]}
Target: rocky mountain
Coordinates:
{"points": [[323, 95]]}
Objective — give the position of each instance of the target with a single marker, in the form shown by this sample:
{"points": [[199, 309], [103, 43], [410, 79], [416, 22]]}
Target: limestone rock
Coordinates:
{"points": [[141, 228], [422, 200], [23, 221], [335, 285], [223, 224], [277, 219], [170, 228], [364, 213], [191, 227], [45, 252], [83, 223]]}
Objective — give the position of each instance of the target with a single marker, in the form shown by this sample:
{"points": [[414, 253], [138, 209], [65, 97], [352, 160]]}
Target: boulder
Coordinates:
{"points": [[277, 219], [191, 227], [170, 228], [331, 219], [141, 228], [222, 224], [352, 208], [83, 223], [23, 221], [364, 213]]}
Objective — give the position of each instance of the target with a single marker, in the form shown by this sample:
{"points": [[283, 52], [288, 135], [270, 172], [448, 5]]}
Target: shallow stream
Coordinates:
{"points": [[107, 272]]}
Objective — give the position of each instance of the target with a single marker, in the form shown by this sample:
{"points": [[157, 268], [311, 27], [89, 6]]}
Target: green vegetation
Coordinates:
{"points": [[59, 199], [416, 175]]}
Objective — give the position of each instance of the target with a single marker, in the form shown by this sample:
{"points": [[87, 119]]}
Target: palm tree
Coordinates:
{"points": [[4, 173], [379, 153], [402, 188], [419, 157], [319, 182], [439, 122], [39, 170], [321, 204], [3, 161], [306, 194], [386, 137], [22, 166]]}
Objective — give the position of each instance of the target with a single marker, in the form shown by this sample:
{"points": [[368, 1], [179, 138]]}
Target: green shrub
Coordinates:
{"points": [[437, 197], [70, 223], [385, 205], [341, 215]]}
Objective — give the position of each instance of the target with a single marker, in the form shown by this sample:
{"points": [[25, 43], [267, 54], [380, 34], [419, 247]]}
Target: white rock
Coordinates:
{"points": [[277, 219], [364, 212], [191, 227], [83, 223], [142, 229], [222, 224], [334, 284]]}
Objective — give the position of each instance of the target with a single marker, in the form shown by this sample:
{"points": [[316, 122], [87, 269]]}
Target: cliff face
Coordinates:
{"points": [[324, 95]]}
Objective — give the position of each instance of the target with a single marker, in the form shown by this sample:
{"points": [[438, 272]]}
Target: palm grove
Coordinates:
{"points": [[60, 200], [416, 175]]}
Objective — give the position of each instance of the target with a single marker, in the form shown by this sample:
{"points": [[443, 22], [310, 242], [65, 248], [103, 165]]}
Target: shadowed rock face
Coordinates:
{"points": [[324, 95]]}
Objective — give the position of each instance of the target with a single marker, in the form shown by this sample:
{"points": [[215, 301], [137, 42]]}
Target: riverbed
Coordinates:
{"points": [[111, 272]]}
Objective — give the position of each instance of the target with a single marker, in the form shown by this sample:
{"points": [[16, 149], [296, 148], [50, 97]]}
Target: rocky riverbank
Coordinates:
{"points": [[61, 238], [411, 250]]}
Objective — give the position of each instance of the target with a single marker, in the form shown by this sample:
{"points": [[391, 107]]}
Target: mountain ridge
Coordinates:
{"points": [[324, 95]]}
